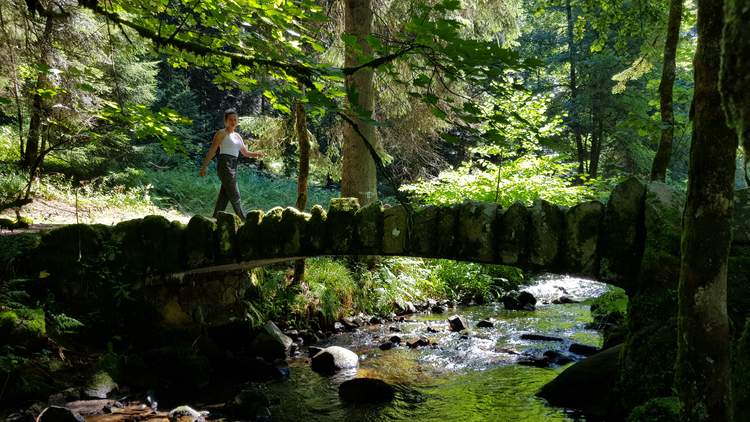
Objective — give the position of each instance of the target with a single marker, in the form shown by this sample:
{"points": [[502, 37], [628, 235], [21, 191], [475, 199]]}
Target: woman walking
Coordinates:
{"points": [[229, 144]]}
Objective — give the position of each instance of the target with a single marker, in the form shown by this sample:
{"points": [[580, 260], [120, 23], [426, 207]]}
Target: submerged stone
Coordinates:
{"points": [[334, 358], [366, 390]]}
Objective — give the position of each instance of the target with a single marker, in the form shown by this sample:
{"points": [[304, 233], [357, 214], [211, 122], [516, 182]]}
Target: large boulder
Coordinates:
{"points": [[513, 235], [476, 230], [271, 343], [582, 226], [622, 233], [99, 386], [545, 233], [366, 390], [587, 385], [519, 301], [457, 323], [334, 358]]}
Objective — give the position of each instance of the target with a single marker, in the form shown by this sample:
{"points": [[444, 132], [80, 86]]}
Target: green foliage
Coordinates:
{"points": [[467, 281], [331, 288], [522, 180], [609, 308], [660, 409]]}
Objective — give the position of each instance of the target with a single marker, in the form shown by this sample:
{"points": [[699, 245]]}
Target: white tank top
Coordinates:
{"points": [[231, 144]]}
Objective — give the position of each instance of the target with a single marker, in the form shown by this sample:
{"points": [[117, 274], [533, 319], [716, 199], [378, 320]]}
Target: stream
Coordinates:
{"points": [[467, 379]]}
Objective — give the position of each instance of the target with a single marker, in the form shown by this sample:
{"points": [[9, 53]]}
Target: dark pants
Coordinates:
{"points": [[226, 167]]}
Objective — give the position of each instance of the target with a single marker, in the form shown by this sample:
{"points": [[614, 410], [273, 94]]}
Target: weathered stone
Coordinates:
{"points": [[248, 245], [186, 414], [539, 337], [340, 224], [366, 390], [99, 386], [395, 231], [545, 234], [660, 264], [270, 232], [457, 323], [417, 342], [386, 346], [293, 223], [161, 244], [582, 227], [199, 242], [583, 349], [621, 233], [369, 222], [741, 233], [59, 414], [519, 301], [315, 235], [587, 385], [423, 237], [334, 358], [61, 248], [485, 323], [226, 236], [271, 343], [476, 230], [513, 235], [446, 231]]}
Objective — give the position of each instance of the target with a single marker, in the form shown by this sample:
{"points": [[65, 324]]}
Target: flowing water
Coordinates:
{"points": [[460, 379]]}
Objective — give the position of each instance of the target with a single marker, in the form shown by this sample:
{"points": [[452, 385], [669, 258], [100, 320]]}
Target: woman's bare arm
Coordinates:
{"points": [[211, 151]]}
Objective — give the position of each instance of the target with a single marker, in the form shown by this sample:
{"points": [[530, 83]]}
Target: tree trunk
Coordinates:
{"points": [[735, 62], [358, 175], [597, 133], [574, 126], [300, 126], [664, 152], [16, 89], [703, 365], [38, 103]]}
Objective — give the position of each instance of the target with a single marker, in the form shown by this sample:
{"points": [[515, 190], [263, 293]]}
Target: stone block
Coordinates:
{"points": [[340, 225], [247, 246], [545, 233], [513, 234], [475, 230], [582, 226], [369, 222], [199, 242], [395, 231]]}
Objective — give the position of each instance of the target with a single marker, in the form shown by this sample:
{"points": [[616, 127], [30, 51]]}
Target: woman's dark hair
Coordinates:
{"points": [[228, 112]]}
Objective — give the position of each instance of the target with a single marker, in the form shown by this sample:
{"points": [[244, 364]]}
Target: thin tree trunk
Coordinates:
{"points": [[358, 174], [664, 152], [304, 170], [703, 365], [596, 144], [37, 105], [574, 126]]}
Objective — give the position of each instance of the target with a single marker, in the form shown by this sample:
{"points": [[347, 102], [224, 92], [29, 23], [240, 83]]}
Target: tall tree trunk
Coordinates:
{"points": [[358, 174], [703, 365], [574, 126], [38, 103], [664, 153], [597, 134], [300, 126], [16, 89]]}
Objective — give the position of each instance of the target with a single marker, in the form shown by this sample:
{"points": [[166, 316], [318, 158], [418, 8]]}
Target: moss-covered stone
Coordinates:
{"points": [[316, 234], [423, 237], [293, 224], [514, 240], [445, 229], [247, 246], [270, 232], [99, 386], [23, 223], [395, 231], [475, 230], [622, 233], [369, 221], [23, 327], [6, 223], [741, 375], [61, 249], [545, 233], [741, 224], [158, 245], [582, 227], [226, 236], [660, 409], [660, 264], [199, 242], [738, 291], [127, 241], [340, 224]]}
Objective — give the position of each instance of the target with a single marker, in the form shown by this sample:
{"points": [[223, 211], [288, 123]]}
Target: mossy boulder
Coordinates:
{"points": [[23, 327], [248, 246], [588, 385], [660, 409], [423, 237], [475, 230], [226, 236], [514, 234], [622, 233], [340, 224], [271, 343], [545, 233], [293, 223], [445, 238], [608, 312], [161, 244], [315, 235], [660, 264], [269, 233], [61, 250], [99, 386], [582, 227], [199, 242], [395, 230], [369, 221]]}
